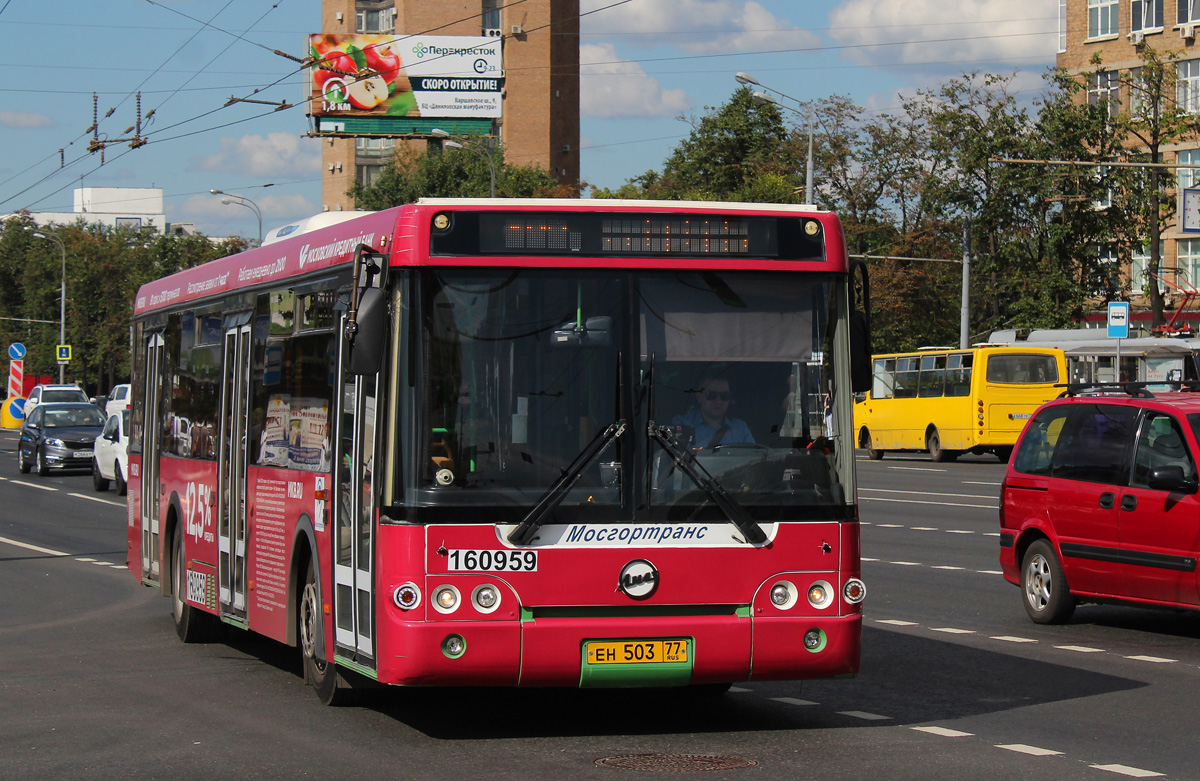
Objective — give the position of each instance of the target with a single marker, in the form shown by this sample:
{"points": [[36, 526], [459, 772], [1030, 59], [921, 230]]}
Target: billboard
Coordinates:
{"points": [[405, 76]]}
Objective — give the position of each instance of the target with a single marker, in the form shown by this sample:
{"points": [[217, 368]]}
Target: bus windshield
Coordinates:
{"points": [[527, 375]]}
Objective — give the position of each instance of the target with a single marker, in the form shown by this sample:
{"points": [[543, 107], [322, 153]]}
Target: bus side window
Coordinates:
{"points": [[933, 376], [958, 375], [907, 373], [883, 386]]}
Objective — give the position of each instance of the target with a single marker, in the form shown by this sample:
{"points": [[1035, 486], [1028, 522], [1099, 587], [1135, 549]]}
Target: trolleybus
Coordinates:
{"points": [[449, 444], [949, 401]]}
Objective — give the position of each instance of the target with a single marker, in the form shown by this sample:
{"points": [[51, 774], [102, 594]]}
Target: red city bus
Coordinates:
{"points": [[511, 443]]}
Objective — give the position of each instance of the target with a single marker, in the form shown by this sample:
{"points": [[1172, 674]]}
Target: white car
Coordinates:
{"points": [[109, 458], [118, 399], [43, 394]]}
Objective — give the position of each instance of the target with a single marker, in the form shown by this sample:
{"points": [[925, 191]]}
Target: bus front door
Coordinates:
{"points": [[231, 509], [354, 530], [151, 451]]}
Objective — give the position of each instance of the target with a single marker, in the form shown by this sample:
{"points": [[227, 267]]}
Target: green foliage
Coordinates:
{"points": [[454, 173], [104, 269]]}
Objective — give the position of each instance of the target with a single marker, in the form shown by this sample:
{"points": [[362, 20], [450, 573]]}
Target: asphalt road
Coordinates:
{"points": [[956, 682]]}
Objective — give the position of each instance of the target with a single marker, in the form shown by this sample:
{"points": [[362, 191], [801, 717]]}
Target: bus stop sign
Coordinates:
{"points": [[1118, 320]]}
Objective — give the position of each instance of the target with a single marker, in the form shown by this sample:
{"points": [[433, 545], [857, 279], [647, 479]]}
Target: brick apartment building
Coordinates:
{"points": [[540, 97], [1115, 29]]}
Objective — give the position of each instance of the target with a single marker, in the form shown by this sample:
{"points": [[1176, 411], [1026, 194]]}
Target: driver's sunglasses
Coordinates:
{"points": [[714, 395]]}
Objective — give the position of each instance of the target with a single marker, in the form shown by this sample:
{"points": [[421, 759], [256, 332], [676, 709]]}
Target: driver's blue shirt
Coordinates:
{"points": [[738, 433]]}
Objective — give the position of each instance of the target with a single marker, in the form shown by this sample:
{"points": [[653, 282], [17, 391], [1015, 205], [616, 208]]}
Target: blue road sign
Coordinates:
{"points": [[16, 351]]}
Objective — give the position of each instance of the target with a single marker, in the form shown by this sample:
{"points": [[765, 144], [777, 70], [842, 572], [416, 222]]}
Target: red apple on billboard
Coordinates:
{"points": [[383, 61]]}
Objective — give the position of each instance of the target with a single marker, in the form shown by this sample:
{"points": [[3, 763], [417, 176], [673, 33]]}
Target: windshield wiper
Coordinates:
{"points": [[525, 531], [688, 464]]}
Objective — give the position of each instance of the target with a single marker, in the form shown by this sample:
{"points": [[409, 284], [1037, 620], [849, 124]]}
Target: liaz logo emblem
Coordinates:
{"points": [[639, 579]]}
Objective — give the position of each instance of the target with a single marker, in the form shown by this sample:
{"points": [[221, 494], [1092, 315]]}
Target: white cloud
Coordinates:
{"points": [[697, 26], [966, 32], [612, 87], [22, 120], [277, 154]]}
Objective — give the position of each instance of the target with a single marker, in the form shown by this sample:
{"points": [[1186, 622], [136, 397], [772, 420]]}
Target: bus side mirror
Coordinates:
{"points": [[366, 344], [860, 353]]}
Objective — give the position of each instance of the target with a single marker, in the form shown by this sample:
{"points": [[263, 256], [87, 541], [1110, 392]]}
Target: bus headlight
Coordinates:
{"points": [[783, 594], [486, 598], [445, 599], [855, 591], [407, 596], [820, 594]]}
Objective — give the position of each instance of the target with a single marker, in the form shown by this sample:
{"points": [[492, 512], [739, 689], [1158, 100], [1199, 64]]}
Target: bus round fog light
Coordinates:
{"points": [[486, 598], [820, 594], [854, 591], [445, 599], [407, 596], [454, 646], [814, 640], [784, 594]]}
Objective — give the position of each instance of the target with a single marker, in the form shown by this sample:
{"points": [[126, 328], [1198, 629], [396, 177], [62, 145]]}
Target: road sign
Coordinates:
{"points": [[64, 353], [1118, 320], [16, 351]]}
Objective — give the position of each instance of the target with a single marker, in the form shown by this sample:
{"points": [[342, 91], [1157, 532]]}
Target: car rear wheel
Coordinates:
{"points": [[22, 465], [43, 468], [119, 479], [1047, 597], [99, 482]]}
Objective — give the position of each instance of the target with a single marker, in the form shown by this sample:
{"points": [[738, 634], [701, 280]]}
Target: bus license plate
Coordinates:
{"points": [[637, 651]]}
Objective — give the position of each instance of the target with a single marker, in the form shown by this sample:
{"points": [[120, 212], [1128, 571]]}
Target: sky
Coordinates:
{"points": [[648, 68]]}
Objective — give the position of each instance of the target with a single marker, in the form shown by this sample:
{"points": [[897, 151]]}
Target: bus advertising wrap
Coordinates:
{"points": [[406, 76]]}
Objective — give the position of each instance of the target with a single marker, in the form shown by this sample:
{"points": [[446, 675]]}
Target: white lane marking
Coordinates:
{"points": [[960, 531], [922, 528], [1021, 748], [739, 690], [1011, 639], [952, 631], [1155, 659], [906, 563], [792, 701], [891, 526], [35, 548], [34, 485], [989, 572], [895, 622], [864, 715], [1126, 770], [979, 482], [946, 566], [102, 563], [118, 566], [1083, 649], [88, 560], [916, 469], [98, 499], [991, 534], [939, 504], [944, 732], [925, 493], [864, 558]]}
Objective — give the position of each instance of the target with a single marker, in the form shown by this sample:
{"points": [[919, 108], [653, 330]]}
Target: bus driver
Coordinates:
{"points": [[708, 418]]}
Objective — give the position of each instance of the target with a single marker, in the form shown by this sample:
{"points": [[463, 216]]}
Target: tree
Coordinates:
{"points": [[457, 173]]}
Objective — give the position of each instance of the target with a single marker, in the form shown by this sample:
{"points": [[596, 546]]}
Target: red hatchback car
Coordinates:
{"points": [[1100, 502]]}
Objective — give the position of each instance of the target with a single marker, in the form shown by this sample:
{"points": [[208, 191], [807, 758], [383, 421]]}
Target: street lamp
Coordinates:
{"points": [[762, 97], [62, 304], [242, 200], [442, 134]]}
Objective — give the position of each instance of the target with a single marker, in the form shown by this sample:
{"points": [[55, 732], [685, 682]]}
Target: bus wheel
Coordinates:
{"points": [[936, 452], [1048, 600], [329, 684], [1004, 454], [191, 624], [865, 442]]}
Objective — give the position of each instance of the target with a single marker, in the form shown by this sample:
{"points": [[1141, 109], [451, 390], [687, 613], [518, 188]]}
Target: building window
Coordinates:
{"points": [[1104, 86], [1146, 15], [1102, 18], [1062, 26], [1108, 268], [367, 175], [1188, 86], [491, 15], [1187, 259], [1188, 11], [381, 20], [134, 223], [374, 147], [1106, 200], [1141, 259]]}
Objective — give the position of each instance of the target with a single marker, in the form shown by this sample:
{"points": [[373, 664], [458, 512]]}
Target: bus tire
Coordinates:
{"points": [[331, 686], [938, 454], [1004, 454], [864, 441], [191, 624], [1046, 595]]}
